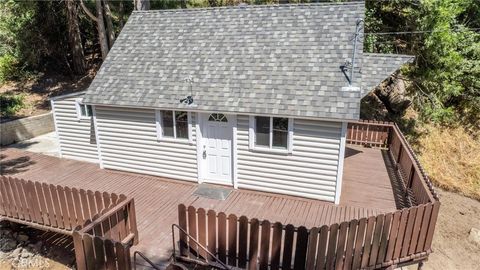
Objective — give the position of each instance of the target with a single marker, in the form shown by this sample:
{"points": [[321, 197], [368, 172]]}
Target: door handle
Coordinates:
{"points": [[204, 154]]}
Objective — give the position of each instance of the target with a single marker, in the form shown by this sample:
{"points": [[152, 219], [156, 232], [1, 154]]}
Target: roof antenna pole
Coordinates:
{"points": [[355, 39], [189, 99]]}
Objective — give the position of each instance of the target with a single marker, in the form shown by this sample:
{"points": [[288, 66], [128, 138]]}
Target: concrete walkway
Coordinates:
{"points": [[46, 144]]}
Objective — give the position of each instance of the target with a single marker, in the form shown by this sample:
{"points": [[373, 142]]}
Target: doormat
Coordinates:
{"points": [[212, 192]]}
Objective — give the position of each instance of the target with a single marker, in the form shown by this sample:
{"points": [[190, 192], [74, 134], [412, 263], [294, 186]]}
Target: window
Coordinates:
{"points": [[262, 131], [280, 132], [217, 117], [173, 124], [83, 111], [273, 133]]}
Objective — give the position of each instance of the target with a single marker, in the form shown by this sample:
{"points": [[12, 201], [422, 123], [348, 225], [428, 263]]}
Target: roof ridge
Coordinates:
{"points": [[355, 2]]}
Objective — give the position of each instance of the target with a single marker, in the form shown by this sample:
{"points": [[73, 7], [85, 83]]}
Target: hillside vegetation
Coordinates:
{"points": [[452, 158]]}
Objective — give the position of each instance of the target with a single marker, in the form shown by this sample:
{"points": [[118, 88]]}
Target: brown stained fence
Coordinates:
{"points": [[388, 135], [374, 242], [391, 239], [94, 219], [368, 133], [96, 252], [105, 241], [58, 208]]}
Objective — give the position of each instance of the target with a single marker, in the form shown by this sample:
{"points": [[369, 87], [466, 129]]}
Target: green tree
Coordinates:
{"points": [[32, 37], [447, 70]]}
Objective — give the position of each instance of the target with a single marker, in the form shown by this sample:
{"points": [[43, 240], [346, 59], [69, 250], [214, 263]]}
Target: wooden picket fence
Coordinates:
{"points": [[375, 242], [104, 219], [100, 253], [399, 238], [105, 241]]}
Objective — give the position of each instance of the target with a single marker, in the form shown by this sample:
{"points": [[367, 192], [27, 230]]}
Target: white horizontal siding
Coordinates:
{"points": [[76, 137], [310, 171], [128, 141]]}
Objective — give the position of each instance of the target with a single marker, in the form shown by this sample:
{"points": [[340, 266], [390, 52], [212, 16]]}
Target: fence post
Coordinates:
{"points": [[132, 220], [79, 253], [182, 222], [123, 256]]}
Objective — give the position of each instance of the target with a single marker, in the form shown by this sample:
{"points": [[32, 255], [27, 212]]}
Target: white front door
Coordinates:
{"points": [[217, 136]]}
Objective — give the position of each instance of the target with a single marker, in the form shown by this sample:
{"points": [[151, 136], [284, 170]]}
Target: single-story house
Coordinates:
{"points": [[253, 97]]}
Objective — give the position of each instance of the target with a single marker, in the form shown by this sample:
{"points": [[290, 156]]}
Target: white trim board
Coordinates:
{"points": [[199, 147], [97, 139], [52, 104], [190, 109], [235, 154], [341, 157]]}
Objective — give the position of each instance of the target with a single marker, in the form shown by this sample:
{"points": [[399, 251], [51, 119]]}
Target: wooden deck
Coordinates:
{"points": [[369, 180], [367, 191]]}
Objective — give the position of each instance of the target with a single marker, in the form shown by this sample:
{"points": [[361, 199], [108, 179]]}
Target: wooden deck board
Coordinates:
{"points": [[366, 190]]}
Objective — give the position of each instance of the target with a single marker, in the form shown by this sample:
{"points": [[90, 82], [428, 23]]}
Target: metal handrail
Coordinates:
{"points": [[196, 242], [143, 257]]}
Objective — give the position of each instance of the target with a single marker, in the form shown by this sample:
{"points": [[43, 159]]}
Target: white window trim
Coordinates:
{"points": [[269, 149], [159, 127], [78, 103]]}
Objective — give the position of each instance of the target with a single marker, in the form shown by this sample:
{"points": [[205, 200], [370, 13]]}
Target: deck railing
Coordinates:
{"points": [[393, 239], [103, 225], [388, 135], [105, 240], [369, 133], [404, 236]]}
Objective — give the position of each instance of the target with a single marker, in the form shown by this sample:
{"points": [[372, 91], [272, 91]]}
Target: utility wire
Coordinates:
{"points": [[417, 32]]}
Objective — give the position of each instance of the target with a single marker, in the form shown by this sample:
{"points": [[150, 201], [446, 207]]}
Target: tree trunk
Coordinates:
{"points": [[121, 14], [212, 3], [142, 4], [108, 19], [102, 35], [183, 3], [74, 39]]}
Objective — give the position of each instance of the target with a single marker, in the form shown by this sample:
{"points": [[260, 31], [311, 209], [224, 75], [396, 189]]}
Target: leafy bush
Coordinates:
{"points": [[444, 37], [8, 68], [10, 104], [448, 65]]}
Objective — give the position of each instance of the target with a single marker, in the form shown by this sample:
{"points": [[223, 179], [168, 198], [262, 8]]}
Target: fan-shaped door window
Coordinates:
{"points": [[217, 117]]}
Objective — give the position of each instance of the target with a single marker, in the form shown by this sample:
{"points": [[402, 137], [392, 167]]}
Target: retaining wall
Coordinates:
{"points": [[26, 128]]}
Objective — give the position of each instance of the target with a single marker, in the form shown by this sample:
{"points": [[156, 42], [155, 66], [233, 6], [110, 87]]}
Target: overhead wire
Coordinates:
{"points": [[418, 32]]}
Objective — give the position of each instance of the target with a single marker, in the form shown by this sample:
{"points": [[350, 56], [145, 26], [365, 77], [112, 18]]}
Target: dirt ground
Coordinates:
{"points": [[452, 248], [22, 247], [37, 91]]}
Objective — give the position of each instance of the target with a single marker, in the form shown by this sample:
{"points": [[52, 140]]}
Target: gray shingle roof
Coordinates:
{"points": [[377, 67], [282, 59]]}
